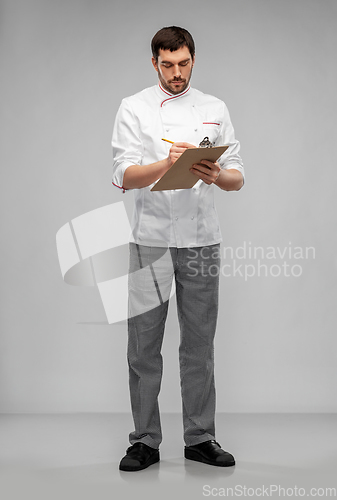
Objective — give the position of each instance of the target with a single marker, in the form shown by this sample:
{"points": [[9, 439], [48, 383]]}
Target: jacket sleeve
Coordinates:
{"points": [[127, 148], [231, 157]]}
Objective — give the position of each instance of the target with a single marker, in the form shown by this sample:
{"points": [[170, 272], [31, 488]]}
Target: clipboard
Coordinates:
{"points": [[179, 175]]}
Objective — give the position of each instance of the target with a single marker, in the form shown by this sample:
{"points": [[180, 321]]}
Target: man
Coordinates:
{"points": [[179, 224]]}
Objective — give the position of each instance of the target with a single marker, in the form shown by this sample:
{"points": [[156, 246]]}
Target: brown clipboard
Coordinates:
{"points": [[179, 175]]}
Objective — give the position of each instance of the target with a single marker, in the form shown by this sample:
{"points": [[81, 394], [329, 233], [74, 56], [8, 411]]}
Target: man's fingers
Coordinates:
{"points": [[210, 164], [201, 168], [209, 174], [177, 150]]}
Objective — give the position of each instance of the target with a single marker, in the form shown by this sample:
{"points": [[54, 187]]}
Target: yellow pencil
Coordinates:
{"points": [[168, 141]]}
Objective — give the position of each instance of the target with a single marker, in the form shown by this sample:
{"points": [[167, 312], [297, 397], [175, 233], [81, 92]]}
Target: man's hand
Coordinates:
{"points": [[211, 173], [206, 171], [177, 150]]}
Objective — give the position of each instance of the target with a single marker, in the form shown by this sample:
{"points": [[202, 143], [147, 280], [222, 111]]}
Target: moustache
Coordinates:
{"points": [[174, 81]]}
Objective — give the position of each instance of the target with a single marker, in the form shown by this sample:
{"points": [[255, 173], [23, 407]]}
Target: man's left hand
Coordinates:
{"points": [[206, 171]]}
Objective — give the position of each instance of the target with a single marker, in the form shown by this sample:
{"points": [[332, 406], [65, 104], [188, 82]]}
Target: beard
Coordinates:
{"points": [[167, 85]]}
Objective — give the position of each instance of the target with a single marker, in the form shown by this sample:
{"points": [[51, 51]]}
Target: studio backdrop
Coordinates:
{"points": [[66, 67]]}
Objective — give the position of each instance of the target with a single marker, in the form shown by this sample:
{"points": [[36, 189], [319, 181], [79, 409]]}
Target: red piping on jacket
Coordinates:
{"points": [[210, 123], [167, 93], [172, 96], [118, 187]]}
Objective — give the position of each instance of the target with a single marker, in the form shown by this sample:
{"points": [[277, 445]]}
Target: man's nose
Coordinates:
{"points": [[176, 71]]}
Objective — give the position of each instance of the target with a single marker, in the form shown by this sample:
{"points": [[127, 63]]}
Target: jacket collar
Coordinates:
{"points": [[167, 96]]}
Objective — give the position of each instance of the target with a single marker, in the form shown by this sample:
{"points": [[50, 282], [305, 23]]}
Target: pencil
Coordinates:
{"points": [[168, 141]]}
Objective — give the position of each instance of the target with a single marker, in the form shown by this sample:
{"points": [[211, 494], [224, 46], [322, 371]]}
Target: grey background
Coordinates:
{"points": [[66, 66]]}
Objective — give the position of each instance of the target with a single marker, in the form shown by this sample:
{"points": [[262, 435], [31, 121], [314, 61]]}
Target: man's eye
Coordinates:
{"points": [[184, 64]]}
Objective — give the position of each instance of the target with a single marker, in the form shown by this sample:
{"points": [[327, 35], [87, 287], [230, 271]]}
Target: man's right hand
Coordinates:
{"points": [[139, 176], [177, 150]]}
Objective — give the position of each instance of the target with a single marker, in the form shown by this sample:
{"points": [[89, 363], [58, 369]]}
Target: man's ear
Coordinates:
{"points": [[155, 64], [193, 60]]}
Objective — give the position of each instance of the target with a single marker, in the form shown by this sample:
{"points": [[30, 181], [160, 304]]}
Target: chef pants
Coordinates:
{"points": [[196, 273]]}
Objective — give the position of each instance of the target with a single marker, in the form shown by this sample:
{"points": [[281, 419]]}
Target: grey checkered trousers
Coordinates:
{"points": [[196, 273]]}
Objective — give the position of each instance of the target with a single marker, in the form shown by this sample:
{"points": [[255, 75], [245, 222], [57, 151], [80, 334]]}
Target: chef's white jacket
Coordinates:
{"points": [[181, 217]]}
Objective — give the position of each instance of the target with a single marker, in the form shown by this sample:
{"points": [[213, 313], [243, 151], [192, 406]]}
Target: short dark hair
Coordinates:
{"points": [[172, 38]]}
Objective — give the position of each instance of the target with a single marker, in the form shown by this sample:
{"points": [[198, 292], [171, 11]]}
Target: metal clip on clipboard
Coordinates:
{"points": [[205, 143]]}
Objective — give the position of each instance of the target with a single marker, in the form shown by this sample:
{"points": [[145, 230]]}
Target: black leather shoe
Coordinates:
{"points": [[139, 456], [211, 453]]}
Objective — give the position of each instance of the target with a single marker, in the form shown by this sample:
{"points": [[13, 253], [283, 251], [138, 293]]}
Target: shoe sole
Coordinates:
{"points": [[133, 468], [194, 455]]}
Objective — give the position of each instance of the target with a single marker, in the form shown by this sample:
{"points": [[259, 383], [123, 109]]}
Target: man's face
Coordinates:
{"points": [[174, 69]]}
